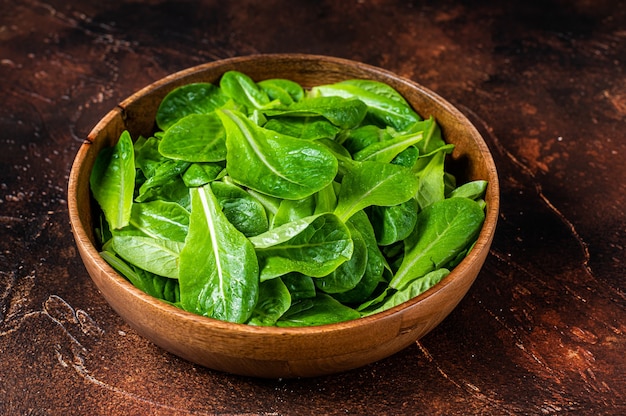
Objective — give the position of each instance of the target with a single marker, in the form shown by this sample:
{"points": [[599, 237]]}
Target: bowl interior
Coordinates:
{"points": [[281, 352]]}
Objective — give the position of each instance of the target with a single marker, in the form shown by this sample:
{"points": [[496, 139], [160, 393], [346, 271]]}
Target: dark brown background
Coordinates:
{"points": [[541, 332]]}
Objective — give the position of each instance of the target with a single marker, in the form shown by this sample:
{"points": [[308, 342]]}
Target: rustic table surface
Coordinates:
{"points": [[543, 329]]}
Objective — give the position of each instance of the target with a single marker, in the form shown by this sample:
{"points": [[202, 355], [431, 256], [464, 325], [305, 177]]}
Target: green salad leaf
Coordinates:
{"points": [[219, 272], [272, 163], [112, 181]]}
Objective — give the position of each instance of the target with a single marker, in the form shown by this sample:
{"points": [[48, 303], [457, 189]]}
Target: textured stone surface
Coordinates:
{"points": [[543, 329]]}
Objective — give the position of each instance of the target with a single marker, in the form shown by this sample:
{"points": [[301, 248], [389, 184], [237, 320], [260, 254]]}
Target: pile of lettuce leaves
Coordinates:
{"points": [[269, 204]]}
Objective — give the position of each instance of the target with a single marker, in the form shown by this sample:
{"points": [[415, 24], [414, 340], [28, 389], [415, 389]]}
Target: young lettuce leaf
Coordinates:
{"points": [[431, 180], [384, 105], [306, 128], [219, 272], [291, 210], [242, 89], [299, 286], [196, 98], [394, 223], [195, 138], [277, 165], [199, 174], [314, 246], [284, 90], [155, 255], [112, 181], [274, 301], [415, 288], [243, 210], [320, 310], [348, 274], [443, 229], [472, 190], [374, 269], [154, 285], [373, 183], [342, 112], [387, 150], [161, 219]]}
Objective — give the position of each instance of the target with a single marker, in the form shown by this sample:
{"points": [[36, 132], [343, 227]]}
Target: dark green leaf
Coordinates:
{"points": [[394, 223], [374, 268], [299, 286], [322, 310], [349, 273], [274, 301], [243, 210], [407, 157]]}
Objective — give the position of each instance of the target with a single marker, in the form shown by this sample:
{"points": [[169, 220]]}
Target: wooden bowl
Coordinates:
{"points": [[274, 352]]}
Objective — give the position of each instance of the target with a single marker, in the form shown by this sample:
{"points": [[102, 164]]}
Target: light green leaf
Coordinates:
{"points": [[161, 219], [112, 181], [387, 150], [443, 229], [284, 90], [373, 183], [414, 289], [195, 138], [384, 104], [345, 113], [219, 273], [314, 246], [152, 254], [274, 164], [241, 88], [154, 285], [196, 98]]}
